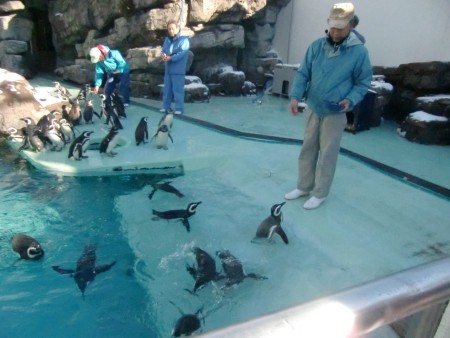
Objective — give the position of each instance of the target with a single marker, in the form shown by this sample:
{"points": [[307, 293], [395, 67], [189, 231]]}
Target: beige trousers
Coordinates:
{"points": [[319, 152]]}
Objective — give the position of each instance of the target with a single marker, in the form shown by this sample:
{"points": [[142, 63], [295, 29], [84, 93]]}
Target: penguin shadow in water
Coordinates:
{"points": [[164, 186], [270, 226], [182, 214], [204, 272], [86, 269], [187, 324], [27, 247], [233, 269]]}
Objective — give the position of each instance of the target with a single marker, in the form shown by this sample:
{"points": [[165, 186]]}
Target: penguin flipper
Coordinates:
{"points": [[103, 268], [282, 234], [186, 224], [152, 193], [61, 270], [170, 136], [255, 276]]}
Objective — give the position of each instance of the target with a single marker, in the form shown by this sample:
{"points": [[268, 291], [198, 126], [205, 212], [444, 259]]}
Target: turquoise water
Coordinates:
{"points": [[371, 225]]}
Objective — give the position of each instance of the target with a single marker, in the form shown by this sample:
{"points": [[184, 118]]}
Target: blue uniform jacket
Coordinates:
{"points": [[113, 61], [177, 47], [331, 74]]}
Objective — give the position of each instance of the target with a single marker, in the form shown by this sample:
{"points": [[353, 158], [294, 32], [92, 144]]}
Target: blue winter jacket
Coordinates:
{"points": [[330, 74], [113, 61], [177, 47]]}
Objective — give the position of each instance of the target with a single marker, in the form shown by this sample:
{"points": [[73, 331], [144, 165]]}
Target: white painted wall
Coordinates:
{"points": [[396, 31]]}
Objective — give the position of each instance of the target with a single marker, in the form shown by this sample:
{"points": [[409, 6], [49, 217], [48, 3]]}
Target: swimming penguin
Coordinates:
{"points": [[109, 142], [167, 119], [164, 186], [84, 139], [272, 224], [187, 323], [141, 132], [86, 270], [27, 247], [205, 271], [233, 269], [182, 214]]}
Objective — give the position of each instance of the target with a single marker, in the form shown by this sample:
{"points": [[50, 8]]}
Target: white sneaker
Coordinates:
{"points": [[294, 194], [313, 203], [177, 112]]}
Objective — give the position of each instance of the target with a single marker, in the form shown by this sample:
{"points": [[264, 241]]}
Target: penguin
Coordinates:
{"points": [[75, 112], [112, 117], [66, 130], [233, 269], [27, 247], [178, 214], [86, 269], [33, 135], [117, 104], [17, 135], [77, 152], [88, 112], [162, 136], [164, 186], [65, 113], [187, 323], [84, 139], [167, 119], [272, 224], [205, 271], [55, 137], [141, 132], [62, 91], [109, 142]]}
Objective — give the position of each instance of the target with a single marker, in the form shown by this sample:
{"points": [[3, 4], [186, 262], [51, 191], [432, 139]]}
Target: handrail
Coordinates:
{"points": [[355, 311]]}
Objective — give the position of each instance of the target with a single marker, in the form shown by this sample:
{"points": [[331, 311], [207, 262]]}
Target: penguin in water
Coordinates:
{"points": [[272, 224], [141, 132], [187, 323], [109, 142], [233, 269], [84, 139], [182, 214], [27, 247], [86, 269], [164, 186], [205, 271]]}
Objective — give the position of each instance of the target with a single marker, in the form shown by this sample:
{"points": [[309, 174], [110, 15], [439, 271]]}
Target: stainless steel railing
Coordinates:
{"points": [[353, 312]]}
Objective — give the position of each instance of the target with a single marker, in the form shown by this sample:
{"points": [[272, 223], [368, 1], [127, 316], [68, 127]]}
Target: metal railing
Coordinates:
{"points": [[355, 311]]}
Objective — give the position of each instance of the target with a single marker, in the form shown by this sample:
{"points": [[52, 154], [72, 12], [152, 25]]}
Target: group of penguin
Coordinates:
{"points": [[56, 129], [204, 270]]}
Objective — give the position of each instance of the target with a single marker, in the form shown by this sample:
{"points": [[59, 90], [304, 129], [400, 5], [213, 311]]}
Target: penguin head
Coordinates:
{"points": [[275, 211], [28, 120], [192, 206], [186, 325], [87, 133], [35, 251], [223, 254]]}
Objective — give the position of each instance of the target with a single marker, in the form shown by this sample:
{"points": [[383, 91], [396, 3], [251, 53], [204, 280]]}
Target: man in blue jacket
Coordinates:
{"points": [[111, 62], [175, 56], [334, 76]]}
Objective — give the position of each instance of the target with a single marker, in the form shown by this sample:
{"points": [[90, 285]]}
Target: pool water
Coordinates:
{"points": [[371, 225]]}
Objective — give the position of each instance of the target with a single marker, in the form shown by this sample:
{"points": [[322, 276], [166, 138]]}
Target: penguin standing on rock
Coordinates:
{"points": [[84, 139], [27, 247], [272, 225], [182, 214], [141, 132], [109, 142], [88, 112]]}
